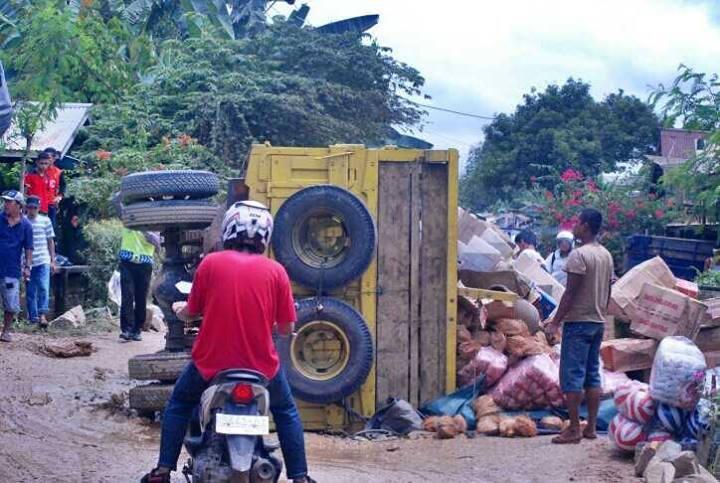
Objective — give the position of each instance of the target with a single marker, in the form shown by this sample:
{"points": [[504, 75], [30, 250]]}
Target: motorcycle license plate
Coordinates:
{"points": [[243, 425]]}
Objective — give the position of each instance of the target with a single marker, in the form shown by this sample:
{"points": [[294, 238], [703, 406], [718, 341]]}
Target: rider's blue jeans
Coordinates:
{"points": [[186, 395]]}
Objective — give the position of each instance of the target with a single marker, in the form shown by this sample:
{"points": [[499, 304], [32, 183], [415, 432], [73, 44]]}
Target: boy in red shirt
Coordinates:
{"points": [[44, 182], [241, 295]]}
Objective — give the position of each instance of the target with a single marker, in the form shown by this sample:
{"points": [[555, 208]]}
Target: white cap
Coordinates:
{"points": [[565, 235]]}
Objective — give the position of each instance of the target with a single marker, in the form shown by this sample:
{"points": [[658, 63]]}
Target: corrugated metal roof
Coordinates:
{"points": [[58, 133]]}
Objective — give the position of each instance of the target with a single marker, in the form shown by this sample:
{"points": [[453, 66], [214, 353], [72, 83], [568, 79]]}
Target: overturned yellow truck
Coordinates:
{"points": [[369, 239]]}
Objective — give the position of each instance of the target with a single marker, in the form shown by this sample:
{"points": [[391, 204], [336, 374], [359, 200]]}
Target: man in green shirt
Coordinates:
{"points": [[136, 262]]}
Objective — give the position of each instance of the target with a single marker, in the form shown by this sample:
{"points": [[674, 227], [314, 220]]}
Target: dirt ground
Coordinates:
{"points": [[62, 420]]}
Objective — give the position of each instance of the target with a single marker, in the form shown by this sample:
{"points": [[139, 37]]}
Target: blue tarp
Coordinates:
{"points": [[460, 402]]}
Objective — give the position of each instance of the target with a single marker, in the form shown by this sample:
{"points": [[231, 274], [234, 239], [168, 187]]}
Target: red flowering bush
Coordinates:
{"points": [[626, 210]]}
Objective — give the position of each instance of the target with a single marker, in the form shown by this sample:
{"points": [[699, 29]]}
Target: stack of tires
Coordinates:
{"points": [[325, 237], [162, 201]]}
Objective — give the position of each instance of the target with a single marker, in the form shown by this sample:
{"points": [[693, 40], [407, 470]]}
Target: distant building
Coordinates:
{"points": [[678, 145]]}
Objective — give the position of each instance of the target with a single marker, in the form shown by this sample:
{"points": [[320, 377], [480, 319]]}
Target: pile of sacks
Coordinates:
{"points": [[669, 407], [513, 360], [505, 346], [491, 422]]}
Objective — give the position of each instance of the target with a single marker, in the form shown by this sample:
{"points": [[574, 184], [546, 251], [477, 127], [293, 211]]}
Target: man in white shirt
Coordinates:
{"points": [[556, 262], [43, 263], [526, 242]]}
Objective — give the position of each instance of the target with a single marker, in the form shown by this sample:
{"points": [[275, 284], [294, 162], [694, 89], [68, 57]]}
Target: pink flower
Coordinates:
{"points": [[549, 196], [570, 175], [630, 214], [592, 186], [659, 213]]}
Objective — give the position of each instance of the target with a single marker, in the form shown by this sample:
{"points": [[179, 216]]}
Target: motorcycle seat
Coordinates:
{"points": [[238, 376]]}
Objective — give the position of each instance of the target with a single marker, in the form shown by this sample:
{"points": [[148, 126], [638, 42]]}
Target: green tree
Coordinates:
{"points": [[560, 128], [72, 55], [58, 51], [288, 86], [693, 102]]}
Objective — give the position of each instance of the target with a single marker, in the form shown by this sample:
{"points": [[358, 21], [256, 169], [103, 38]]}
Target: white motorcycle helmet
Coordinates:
{"points": [[565, 235], [248, 219]]}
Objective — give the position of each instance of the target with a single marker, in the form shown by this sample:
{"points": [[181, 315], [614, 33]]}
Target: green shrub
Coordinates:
{"points": [[103, 239]]}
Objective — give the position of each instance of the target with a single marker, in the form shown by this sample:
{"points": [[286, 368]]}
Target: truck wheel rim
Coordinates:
{"points": [[320, 239], [320, 350]]}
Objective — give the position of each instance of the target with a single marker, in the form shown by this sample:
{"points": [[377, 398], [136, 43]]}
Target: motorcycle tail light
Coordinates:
{"points": [[243, 394]]}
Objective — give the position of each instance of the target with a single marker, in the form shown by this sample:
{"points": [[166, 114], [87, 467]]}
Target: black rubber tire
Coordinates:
{"points": [[162, 366], [151, 397], [358, 222], [159, 215], [169, 184], [361, 352]]}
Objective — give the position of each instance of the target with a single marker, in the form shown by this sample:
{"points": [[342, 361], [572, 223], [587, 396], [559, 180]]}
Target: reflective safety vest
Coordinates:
{"points": [[135, 248]]}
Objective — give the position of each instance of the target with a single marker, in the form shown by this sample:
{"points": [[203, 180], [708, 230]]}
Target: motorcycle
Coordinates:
{"points": [[225, 438]]}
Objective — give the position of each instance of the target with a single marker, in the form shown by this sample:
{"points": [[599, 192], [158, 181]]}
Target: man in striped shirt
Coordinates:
{"points": [[43, 263]]}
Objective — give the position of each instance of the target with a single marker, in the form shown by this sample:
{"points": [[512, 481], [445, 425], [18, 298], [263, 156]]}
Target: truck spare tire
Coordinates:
{"points": [[159, 215], [332, 354], [324, 236], [183, 184], [161, 366]]}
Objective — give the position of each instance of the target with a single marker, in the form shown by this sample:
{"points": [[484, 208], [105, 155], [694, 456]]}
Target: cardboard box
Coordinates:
{"points": [[623, 355], [661, 312], [708, 340], [688, 288], [478, 255], [713, 312], [469, 225], [529, 267], [712, 359], [511, 280], [627, 289]]}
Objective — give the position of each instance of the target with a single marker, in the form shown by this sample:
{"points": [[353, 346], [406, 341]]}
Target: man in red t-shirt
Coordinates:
{"points": [[241, 296], [44, 182]]}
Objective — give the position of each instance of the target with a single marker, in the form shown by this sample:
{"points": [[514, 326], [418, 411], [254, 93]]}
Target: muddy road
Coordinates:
{"points": [[65, 420]]}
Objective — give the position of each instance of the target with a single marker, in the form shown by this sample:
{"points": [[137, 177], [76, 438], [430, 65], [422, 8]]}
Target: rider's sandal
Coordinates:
{"points": [[155, 477]]}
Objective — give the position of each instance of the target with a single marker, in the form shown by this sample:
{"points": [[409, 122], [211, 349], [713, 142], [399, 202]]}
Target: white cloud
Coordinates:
{"points": [[482, 56]]}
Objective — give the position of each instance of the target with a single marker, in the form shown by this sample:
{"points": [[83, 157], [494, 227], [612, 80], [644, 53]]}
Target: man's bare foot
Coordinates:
{"points": [[589, 433], [569, 436], [5, 337]]}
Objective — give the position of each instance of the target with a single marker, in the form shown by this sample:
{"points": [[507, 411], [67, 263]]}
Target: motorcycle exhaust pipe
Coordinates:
{"points": [[262, 470]]}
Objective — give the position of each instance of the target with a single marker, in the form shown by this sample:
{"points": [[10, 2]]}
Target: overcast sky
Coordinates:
{"points": [[482, 56]]}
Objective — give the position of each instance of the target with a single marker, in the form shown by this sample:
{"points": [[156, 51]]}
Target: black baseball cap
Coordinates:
{"points": [[32, 202]]}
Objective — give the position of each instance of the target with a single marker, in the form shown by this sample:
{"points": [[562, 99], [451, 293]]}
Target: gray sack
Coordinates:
{"points": [[6, 110], [398, 416]]}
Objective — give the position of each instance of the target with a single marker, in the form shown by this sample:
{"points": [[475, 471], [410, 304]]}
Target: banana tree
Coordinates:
{"points": [[235, 19]]}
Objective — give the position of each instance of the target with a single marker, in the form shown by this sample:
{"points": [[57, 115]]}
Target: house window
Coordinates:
{"points": [[699, 144]]}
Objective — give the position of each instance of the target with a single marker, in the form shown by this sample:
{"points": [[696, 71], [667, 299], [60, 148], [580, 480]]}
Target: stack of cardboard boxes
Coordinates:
{"points": [[650, 302]]}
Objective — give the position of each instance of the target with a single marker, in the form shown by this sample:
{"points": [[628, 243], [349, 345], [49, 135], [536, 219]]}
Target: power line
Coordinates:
{"points": [[452, 111]]}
